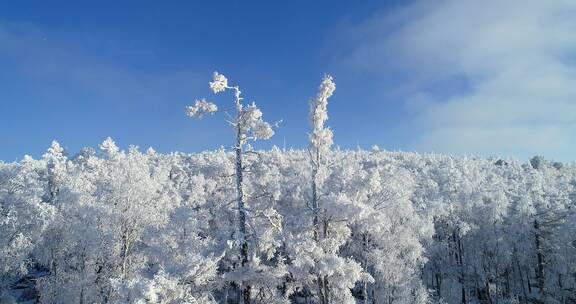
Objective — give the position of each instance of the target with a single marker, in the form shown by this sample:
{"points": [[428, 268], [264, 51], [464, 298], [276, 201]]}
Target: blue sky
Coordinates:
{"points": [[430, 76]]}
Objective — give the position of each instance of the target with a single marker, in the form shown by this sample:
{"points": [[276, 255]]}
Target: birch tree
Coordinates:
{"points": [[248, 125]]}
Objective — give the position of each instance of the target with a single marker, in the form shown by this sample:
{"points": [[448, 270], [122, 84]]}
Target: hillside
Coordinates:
{"points": [[127, 226]]}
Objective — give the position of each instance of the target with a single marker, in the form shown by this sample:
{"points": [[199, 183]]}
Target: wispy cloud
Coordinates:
{"points": [[515, 57]]}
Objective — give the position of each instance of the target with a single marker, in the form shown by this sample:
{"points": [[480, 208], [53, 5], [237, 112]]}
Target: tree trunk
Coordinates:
{"points": [[315, 207], [322, 288], [365, 293], [460, 262], [246, 289], [125, 249], [439, 284], [540, 260], [521, 280]]}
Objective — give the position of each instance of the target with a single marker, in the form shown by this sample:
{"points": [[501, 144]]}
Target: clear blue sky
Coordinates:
{"points": [[408, 76]]}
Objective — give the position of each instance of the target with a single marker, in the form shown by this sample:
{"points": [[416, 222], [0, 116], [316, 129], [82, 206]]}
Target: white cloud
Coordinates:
{"points": [[517, 56]]}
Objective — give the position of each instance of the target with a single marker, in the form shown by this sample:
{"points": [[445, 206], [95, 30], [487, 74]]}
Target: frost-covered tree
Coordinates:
{"points": [[320, 142], [248, 125], [24, 217], [124, 226], [317, 260], [120, 219]]}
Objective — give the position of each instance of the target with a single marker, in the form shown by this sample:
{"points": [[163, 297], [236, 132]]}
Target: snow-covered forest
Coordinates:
{"points": [[314, 225]]}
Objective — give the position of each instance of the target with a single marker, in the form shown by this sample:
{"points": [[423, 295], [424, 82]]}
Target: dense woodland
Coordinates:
{"points": [[316, 225]]}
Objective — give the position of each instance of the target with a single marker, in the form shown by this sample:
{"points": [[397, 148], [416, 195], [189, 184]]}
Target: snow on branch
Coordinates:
{"points": [[200, 108]]}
